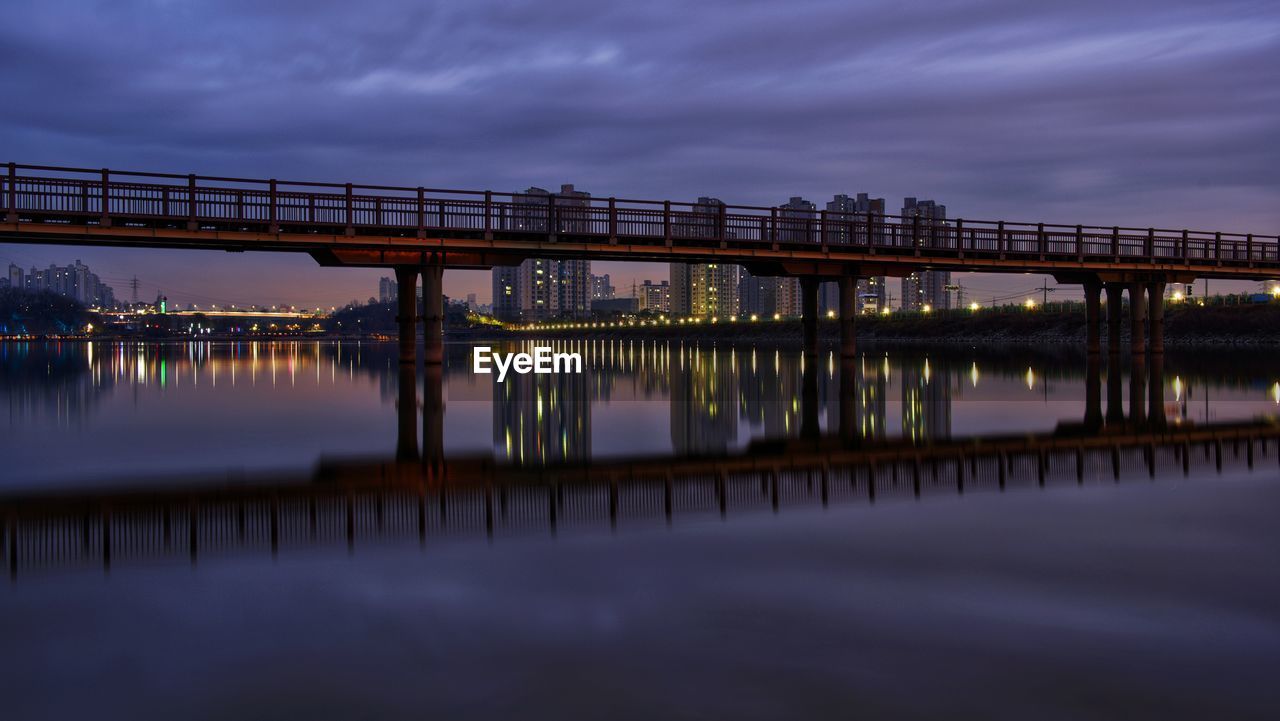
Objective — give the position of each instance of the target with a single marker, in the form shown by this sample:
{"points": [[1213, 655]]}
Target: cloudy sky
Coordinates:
{"points": [[1145, 112]]}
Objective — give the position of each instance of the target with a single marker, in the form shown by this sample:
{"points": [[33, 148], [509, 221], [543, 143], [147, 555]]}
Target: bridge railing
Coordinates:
{"points": [[49, 194]]}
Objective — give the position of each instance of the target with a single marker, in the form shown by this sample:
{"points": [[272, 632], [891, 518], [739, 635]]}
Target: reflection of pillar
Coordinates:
{"points": [[407, 415], [1115, 303], [1093, 316], [1155, 409], [809, 401], [1093, 393], [1115, 392], [1137, 389], [848, 399], [1137, 319], [1155, 301], [433, 313], [433, 416], [848, 317], [406, 313], [809, 310]]}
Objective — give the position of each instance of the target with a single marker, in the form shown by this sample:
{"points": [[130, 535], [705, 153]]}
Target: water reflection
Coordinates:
{"points": [[677, 398]]}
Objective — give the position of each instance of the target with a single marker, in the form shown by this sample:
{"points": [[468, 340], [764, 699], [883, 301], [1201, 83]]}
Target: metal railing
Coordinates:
{"points": [[49, 194]]}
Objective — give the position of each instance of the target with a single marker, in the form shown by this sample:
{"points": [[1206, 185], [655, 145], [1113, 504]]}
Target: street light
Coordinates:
{"points": [[974, 307], [1031, 304]]}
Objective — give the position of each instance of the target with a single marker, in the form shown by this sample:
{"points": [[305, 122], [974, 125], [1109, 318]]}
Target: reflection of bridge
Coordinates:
{"points": [[420, 230], [361, 502]]}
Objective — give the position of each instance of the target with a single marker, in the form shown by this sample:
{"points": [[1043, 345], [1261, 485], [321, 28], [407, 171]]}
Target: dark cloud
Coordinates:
{"points": [[1151, 112]]}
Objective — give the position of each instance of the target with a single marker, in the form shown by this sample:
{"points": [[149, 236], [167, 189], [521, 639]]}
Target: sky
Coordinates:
{"points": [[1141, 113]]}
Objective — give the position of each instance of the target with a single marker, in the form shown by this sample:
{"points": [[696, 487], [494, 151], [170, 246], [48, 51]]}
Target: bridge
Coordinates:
{"points": [[425, 230], [347, 503]]}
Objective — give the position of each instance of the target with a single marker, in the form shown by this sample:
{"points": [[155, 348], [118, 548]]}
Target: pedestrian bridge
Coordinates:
{"points": [[425, 230]]}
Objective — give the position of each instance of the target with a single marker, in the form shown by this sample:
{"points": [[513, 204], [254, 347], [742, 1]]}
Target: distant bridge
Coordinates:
{"points": [[426, 230], [358, 503]]}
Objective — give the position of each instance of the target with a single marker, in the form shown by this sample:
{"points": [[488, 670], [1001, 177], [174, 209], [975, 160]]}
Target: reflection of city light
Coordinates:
{"points": [[1275, 392], [927, 372], [1031, 379], [973, 374], [1177, 388]]}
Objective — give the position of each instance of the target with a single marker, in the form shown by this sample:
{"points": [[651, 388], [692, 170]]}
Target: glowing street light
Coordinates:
{"points": [[974, 307], [1031, 304], [927, 308]]}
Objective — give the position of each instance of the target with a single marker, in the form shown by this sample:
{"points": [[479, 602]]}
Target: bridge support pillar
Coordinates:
{"points": [[406, 313], [433, 313], [848, 316], [1115, 312], [1137, 319], [809, 313], [1155, 293], [1093, 317]]}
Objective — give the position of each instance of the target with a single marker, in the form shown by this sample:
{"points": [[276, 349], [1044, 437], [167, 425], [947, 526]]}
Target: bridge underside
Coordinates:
{"points": [[476, 251]]}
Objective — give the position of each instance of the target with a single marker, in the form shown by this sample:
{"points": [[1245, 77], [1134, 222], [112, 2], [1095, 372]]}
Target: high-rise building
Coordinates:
{"points": [[542, 288], [73, 281], [16, 277], [386, 290], [705, 290], [866, 217], [472, 304], [654, 297], [920, 219], [602, 288]]}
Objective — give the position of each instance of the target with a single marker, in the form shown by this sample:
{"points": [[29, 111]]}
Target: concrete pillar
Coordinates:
{"points": [[407, 414], [809, 310], [406, 312], [433, 313], [848, 316], [1155, 303], [1115, 310], [1137, 319], [1093, 317]]}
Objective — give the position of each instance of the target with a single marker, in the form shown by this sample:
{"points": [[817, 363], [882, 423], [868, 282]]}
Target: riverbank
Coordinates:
{"points": [[1186, 325], [1240, 325]]}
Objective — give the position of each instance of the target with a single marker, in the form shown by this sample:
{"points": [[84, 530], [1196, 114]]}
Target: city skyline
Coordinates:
{"points": [[1146, 114]]}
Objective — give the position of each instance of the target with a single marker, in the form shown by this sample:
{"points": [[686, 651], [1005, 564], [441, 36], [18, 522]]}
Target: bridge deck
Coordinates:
{"points": [[386, 225]]}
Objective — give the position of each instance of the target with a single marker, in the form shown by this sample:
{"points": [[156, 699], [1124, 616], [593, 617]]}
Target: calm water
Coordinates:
{"points": [[292, 530]]}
